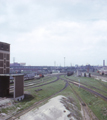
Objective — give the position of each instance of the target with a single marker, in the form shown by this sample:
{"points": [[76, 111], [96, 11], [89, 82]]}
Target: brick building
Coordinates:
{"points": [[4, 58], [4, 68], [5, 76]]}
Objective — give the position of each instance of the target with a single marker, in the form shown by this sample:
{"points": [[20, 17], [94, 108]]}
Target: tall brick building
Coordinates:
{"points": [[4, 58], [4, 68], [5, 76]]}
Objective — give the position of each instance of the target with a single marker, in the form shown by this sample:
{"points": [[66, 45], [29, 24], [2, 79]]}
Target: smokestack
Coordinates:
{"points": [[103, 63], [13, 59]]}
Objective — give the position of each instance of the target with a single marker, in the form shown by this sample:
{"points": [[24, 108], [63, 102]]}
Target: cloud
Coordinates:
{"points": [[41, 32], [70, 39]]}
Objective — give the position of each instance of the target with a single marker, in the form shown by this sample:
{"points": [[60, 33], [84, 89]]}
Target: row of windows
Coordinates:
{"points": [[6, 64], [2, 71], [5, 47], [4, 56]]}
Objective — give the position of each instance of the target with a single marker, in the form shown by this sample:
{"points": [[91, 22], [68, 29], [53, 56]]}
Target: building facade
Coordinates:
{"points": [[4, 75], [4, 68], [4, 58]]}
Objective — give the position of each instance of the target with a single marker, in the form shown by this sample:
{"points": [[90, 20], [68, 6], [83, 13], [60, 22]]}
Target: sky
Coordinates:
{"points": [[44, 32]]}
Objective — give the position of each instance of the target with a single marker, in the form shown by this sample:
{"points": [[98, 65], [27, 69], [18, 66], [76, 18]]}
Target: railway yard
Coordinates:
{"points": [[88, 94]]}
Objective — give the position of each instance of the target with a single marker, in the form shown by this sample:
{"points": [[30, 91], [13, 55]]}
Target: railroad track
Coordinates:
{"points": [[88, 85], [93, 92], [37, 82], [37, 103], [88, 114], [84, 107], [33, 82], [89, 90], [33, 86], [27, 87], [100, 77], [17, 115]]}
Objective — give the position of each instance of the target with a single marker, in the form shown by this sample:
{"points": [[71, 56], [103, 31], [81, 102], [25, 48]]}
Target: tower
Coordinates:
{"points": [[103, 63]]}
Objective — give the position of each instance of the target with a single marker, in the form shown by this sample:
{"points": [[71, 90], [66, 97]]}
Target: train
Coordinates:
{"points": [[28, 77], [70, 73]]}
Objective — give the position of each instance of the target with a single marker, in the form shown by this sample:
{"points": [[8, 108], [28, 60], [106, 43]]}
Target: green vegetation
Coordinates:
{"points": [[91, 82], [96, 104], [47, 91], [41, 81], [33, 95], [69, 93]]}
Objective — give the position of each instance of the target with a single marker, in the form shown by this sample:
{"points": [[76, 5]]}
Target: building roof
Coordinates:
{"points": [[13, 75], [4, 42]]}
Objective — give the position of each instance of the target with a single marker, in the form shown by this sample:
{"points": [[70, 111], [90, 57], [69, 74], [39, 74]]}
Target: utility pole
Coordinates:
{"points": [[64, 62], [55, 63], [13, 59]]}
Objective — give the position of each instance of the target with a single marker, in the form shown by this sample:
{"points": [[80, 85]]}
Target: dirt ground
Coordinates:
{"points": [[87, 113], [57, 108]]}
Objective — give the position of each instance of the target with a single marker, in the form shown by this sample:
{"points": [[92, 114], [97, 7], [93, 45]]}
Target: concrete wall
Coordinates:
{"points": [[4, 86], [18, 86], [86, 74], [83, 74]]}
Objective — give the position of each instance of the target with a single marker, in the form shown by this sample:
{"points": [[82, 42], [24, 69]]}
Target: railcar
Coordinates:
{"points": [[70, 73]]}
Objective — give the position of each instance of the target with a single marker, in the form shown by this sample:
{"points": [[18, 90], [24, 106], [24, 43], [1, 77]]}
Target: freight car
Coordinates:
{"points": [[41, 75], [70, 73]]}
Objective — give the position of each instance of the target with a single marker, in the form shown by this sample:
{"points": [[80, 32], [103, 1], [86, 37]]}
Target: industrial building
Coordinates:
{"points": [[4, 58], [5, 76], [4, 68]]}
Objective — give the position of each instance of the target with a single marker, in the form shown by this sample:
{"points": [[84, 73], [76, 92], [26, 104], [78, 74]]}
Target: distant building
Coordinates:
{"points": [[76, 66], [14, 64], [88, 67], [22, 64], [79, 73]]}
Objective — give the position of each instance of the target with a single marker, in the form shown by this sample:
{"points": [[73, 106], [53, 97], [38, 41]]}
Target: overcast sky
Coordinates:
{"points": [[42, 32]]}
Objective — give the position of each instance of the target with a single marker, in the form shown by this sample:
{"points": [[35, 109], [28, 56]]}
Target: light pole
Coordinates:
{"points": [[54, 63]]}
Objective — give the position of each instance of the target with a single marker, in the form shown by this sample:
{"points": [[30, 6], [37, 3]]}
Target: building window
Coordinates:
{"points": [[1, 55], [2, 46]]}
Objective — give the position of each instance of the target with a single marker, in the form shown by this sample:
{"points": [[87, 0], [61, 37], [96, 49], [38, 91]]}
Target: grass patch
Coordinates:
{"points": [[47, 90], [96, 104], [91, 82]]}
